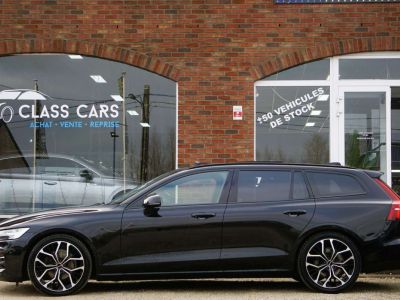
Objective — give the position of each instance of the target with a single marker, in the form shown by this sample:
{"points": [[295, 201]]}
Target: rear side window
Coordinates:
{"points": [[299, 187], [261, 186], [333, 184]]}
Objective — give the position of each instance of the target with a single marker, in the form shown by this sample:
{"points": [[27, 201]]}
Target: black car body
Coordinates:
{"points": [[314, 223]]}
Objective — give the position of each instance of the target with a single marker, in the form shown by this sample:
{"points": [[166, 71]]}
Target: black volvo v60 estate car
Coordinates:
{"points": [[322, 225]]}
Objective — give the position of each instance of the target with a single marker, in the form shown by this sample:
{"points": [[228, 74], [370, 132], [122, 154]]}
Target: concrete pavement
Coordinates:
{"points": [[366, 288]]}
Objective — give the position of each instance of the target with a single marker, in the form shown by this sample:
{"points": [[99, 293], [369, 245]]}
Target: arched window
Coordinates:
{"points": [[78, 130]]}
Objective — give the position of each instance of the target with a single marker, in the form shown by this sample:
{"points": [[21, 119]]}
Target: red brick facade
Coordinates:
{"points": [[213, 49]]}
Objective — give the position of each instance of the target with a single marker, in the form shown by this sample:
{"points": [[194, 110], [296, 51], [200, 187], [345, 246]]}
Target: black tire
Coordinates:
{"points": [[53, 258], [335, 271]]}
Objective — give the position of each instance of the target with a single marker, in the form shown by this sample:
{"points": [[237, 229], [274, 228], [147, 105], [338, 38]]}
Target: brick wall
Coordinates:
{"points": [[214, 49]]}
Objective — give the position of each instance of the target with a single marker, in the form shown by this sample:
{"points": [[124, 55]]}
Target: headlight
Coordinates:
{"points": [[12, 234]]}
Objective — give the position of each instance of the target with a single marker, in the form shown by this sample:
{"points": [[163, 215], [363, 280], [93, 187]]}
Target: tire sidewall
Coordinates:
{"points": [[67, 238], [305, 278]]}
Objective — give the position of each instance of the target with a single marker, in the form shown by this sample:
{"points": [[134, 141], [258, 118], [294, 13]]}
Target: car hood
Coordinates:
{"points": [[54, 213]]}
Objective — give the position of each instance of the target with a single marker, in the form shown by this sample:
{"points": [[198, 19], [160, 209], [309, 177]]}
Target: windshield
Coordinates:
{"points": [[139, 188]]}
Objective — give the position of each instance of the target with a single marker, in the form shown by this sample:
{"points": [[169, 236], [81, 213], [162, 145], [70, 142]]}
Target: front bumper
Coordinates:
{"points": [[12, 261]]}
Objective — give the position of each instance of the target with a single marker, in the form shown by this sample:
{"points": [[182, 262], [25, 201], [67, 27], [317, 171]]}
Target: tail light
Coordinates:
{"points": [[394, 214]]}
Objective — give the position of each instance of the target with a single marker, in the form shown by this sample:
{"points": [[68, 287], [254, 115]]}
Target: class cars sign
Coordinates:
{"points": [[48, 112]]}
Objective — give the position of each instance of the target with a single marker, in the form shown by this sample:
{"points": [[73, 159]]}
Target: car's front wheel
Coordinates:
{"points": [[59, 265], [329, 262]]}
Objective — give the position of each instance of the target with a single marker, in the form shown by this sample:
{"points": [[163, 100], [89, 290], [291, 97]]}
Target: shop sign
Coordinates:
{"points": [[237, 112], [333, 1], [292, 109], [48, 112]]}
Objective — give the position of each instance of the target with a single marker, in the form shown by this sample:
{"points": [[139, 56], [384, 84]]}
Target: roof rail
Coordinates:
{"points": [[271, 162], [335, 163]]}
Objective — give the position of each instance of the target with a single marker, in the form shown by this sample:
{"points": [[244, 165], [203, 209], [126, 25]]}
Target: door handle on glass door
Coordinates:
{"points": [[50, 182], [203, 216]]}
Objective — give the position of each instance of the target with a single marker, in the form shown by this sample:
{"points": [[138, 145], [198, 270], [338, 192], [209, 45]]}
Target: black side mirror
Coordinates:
{"points": [[86, 174], [152, 201]]}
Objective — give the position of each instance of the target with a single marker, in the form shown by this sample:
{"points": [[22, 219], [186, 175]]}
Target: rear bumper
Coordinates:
{"points": [[385, 259], [384, 255]]}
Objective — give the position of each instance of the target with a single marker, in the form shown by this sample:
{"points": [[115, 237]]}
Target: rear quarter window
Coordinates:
{"points": [[334, 184]]}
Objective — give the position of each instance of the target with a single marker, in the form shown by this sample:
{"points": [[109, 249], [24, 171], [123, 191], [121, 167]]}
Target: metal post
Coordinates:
{"points": [[145, 134], [36, 88], [124, 127]]}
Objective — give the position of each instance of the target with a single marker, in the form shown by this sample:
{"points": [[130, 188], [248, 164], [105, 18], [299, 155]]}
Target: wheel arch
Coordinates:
{"points": [[85, 240], [327, 228]]}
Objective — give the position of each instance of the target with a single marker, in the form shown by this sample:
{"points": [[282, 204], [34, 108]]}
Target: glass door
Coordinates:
{"points": [[363, 115]]}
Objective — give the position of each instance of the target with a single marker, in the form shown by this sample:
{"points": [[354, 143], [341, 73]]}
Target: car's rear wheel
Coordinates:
{"points": [[329, 262], [59, 265]]}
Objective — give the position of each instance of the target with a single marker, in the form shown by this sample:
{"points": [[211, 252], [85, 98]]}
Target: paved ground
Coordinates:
{"points": [[366, 288]]}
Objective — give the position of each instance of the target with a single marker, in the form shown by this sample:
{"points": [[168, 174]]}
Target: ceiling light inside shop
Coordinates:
{"points": [[98, 78], [145, 124], [315, 113], [133, 112], [117, 98], [75, 56], [310, 124], [324, 97]]}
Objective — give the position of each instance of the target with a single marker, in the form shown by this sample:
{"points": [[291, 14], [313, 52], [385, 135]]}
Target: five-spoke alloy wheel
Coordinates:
{"points": [[329, 262], [59, 265]]}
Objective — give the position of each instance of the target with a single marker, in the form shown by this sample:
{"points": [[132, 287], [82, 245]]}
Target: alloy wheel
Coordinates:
{"points": [[330, 263], [59, 266]]}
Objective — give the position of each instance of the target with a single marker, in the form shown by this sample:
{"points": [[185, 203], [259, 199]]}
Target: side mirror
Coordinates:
{"points": [[86, 174], [152, 201]]}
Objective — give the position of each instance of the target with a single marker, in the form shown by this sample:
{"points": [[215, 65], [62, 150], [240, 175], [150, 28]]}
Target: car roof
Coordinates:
{"points": [[55, 155], [269, 163]]}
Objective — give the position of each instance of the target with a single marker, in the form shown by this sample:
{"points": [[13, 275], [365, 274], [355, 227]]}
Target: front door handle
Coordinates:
{"points": [[295, 213], [203, 216], [50, 182]]}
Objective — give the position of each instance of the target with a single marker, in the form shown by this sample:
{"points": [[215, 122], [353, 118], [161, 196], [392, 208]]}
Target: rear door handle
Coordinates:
{"points": [[50, 182], [295, 213], [203, 216]]}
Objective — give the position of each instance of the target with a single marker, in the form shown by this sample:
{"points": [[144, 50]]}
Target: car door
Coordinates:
{"points": [[184, 233], [266, 213]]}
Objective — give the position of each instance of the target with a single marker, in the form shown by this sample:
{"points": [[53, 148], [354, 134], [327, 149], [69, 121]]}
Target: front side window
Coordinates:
{"points": [[333, 184], [262, 186], [204, 188]]}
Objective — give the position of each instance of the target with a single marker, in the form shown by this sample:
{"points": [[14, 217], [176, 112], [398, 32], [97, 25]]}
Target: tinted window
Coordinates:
{"points": [[201, 188], [299, 187], [259, 186], [18, 165], [332, 184], [58, 166]]}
